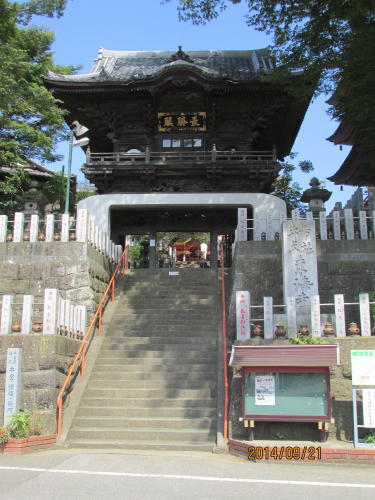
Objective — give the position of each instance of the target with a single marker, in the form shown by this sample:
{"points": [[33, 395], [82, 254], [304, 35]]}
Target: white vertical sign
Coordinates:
{"points": [[27, 314], [291, 316], [61, 316], [257, 231], [71, 319], [368, 401], [6, 314], [242, 224], [315, 315], [12, 383], [65, 227], [51, 301], [82, 225], [340, 315], [83, 319], [50, 222], [34, 228], [113, 248], [3, 228], [349, 223], [243, 315], [118, 252], [270, 229], [336, 225], [268, 317], [363, 225], [67, 316], [323, 225], [364, 309], [96, 238], [92, 232], [19, 220], [373, 223]]}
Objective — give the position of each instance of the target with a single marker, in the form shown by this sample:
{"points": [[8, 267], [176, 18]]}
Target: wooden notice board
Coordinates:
{"points": [[286, 394]]}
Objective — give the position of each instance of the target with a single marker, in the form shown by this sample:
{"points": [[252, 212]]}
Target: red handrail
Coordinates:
{"points": [[81, 354], [224, 330]]}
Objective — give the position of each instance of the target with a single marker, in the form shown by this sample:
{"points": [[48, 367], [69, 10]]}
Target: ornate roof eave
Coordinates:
{"points": [[353, 171], [149, 84]]}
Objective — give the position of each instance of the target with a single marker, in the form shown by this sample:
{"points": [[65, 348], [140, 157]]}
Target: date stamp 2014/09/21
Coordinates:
{"points": [[284, 452]]}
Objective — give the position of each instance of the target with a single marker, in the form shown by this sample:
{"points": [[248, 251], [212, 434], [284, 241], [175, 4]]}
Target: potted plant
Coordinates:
{"points": [[25, 433]]}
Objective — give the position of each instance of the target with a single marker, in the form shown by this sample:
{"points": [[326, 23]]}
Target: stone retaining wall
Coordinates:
{"points": [[77, 270], [45, 362]]}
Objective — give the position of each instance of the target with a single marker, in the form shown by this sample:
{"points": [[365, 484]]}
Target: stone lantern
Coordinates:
{"points": [[316, 196]]}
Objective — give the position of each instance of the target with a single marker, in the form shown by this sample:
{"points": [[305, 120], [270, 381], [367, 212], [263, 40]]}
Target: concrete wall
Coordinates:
{"points": [[45, 362]]}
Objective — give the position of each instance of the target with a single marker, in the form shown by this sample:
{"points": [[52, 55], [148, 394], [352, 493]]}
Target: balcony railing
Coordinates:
{"points": [[165, 157]]}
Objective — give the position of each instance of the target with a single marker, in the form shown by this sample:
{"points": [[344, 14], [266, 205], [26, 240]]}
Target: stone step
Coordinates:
{"points": [[169, 392], [125, 423], [188, 375], [161, 349], [160, 355], [169, 383], [151, 403], [141, 445], [121, 412], [165, 313], [192, 302], [155, 367], [155, 341], [194, 436], [136, 364]]}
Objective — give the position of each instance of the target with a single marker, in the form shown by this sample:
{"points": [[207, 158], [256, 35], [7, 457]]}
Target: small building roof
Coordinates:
{"points": [[33, 168], [128, 66]]}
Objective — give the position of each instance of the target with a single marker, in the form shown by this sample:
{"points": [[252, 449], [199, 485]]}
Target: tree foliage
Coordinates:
{"points": [[286, 189], [332, 41], [12, 188], [30, 121]]}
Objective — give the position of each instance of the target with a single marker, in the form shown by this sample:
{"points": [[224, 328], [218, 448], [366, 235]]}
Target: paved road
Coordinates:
{"points": [[78, 474]]}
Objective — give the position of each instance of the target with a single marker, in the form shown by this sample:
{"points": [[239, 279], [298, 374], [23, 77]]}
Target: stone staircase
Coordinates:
{"points": [[154, 382]]}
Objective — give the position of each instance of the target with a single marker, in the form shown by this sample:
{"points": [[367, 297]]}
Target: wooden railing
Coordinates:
{"points": [[164, 157], [96, 320]]}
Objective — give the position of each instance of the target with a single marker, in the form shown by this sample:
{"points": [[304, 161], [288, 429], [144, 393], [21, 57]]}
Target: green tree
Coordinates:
{"points": [[30, 121], [12, 187], [284, 187], [332, 41]]}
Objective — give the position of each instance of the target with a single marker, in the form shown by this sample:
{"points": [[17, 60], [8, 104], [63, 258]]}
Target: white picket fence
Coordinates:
{"points": [[58, 228], [53, 316], [342, 225], [270, 315]]}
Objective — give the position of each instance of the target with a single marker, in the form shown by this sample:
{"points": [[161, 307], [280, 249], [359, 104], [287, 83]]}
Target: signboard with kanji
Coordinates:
{"points": [[12, 383], [243, 315], [178, 122]]}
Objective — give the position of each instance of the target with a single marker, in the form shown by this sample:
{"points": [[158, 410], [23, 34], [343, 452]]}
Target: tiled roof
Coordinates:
{"points": [[125, 66]]}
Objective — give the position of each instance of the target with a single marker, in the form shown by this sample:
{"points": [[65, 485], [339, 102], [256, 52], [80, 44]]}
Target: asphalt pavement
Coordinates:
{"points": [[101, 474]]}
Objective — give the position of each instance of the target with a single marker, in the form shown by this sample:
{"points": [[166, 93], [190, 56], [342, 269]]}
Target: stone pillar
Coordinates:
{"points": [[300, 269]]}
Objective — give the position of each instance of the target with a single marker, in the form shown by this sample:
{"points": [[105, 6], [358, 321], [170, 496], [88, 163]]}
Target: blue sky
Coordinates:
{"points": [[88, 25]]}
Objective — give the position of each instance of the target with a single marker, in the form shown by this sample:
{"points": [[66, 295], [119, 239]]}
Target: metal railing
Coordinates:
{"points": [[224, 333], [97, 319], [164, 157]]}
